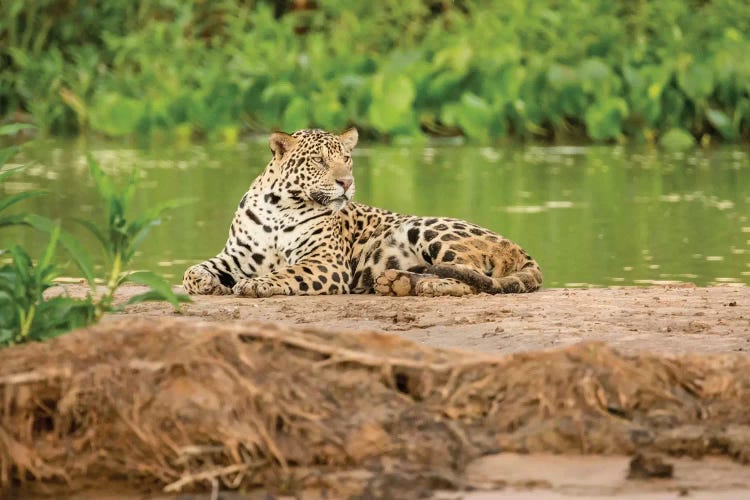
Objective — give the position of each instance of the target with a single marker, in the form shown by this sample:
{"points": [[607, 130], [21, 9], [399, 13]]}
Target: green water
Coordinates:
{"points": [[590, 215]]}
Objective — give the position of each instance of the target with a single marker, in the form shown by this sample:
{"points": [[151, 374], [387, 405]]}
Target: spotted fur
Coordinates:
{"points": [[297, 232]]}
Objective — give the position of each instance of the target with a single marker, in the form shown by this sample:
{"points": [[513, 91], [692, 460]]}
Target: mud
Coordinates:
{"points": [[318, 403]]}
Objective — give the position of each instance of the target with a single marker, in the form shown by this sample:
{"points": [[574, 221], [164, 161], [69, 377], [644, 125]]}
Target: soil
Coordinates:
{"points": [[670, 331], [665, 320]]}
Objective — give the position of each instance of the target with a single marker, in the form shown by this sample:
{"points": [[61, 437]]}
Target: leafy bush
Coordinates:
{"points": [[531, 68], [25, 313]]}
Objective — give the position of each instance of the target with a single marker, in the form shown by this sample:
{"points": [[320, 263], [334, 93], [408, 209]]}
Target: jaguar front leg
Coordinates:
{"points": [[209, 278], [305, 278]]}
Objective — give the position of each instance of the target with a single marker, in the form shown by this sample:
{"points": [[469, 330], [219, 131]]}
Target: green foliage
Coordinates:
{"points": [[677, 139], [600, 69], [120, 236], [25, 313]]}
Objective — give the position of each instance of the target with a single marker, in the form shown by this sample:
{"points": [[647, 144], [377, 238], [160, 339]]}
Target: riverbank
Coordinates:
{"points": [[336, 409]]}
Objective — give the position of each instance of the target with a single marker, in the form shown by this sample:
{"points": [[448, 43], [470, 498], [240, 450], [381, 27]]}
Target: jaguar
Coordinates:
{"points": [[296, 231]]}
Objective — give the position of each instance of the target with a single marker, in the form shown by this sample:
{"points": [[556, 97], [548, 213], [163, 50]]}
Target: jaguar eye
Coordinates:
{"points": [[318, 160], [347, 158]]}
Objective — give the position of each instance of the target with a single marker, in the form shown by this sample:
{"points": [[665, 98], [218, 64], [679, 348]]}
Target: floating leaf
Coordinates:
{"points": [[677, 139]]}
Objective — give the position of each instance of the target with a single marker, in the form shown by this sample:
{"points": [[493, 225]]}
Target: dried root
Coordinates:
{"points": [[182, 405]]}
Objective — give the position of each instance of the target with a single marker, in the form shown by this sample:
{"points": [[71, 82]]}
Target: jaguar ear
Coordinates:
{"points": [[280, 143], [349, 138]]}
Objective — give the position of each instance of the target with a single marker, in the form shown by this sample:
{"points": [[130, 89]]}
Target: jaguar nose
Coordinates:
{"points": [[345, 182]]}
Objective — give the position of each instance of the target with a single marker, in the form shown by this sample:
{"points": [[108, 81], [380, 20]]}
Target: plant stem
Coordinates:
{"points": [[115, 274], [103, 305], [26, 319]]}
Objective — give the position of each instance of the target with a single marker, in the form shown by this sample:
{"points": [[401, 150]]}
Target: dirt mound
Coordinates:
{"points": [[174, 404]]}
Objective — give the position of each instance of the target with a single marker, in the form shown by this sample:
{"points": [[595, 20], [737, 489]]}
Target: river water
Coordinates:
{"points": [[591, 216]]}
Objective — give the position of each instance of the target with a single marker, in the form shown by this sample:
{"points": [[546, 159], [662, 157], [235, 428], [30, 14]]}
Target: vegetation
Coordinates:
{"points": [[597, 69], [25, 313]]}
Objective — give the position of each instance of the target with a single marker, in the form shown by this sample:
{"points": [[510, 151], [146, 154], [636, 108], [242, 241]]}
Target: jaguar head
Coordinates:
{"points": [[316, 165]]}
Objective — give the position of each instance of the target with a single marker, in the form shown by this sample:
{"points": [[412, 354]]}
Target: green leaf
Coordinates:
{"points": [[49, 252], [677, 139], [138, 232], [595, 76], [327, 110], [14, 128], [560, 76], [94, 230], [697, 81], [504, 86], [273, 99], [721, 122], [160, 289], [63, 313], [456, 58], [13, 220], [296, 115], [152, 296], [12, 200], [139, 228], [392, 99], [604, 118], [6, 335], [115, 114], [21, 263], [73, 246], [473, 114]]}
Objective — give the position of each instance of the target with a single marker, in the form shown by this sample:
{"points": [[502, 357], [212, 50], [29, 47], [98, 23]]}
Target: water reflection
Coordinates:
{"points": [[592, 216]]}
